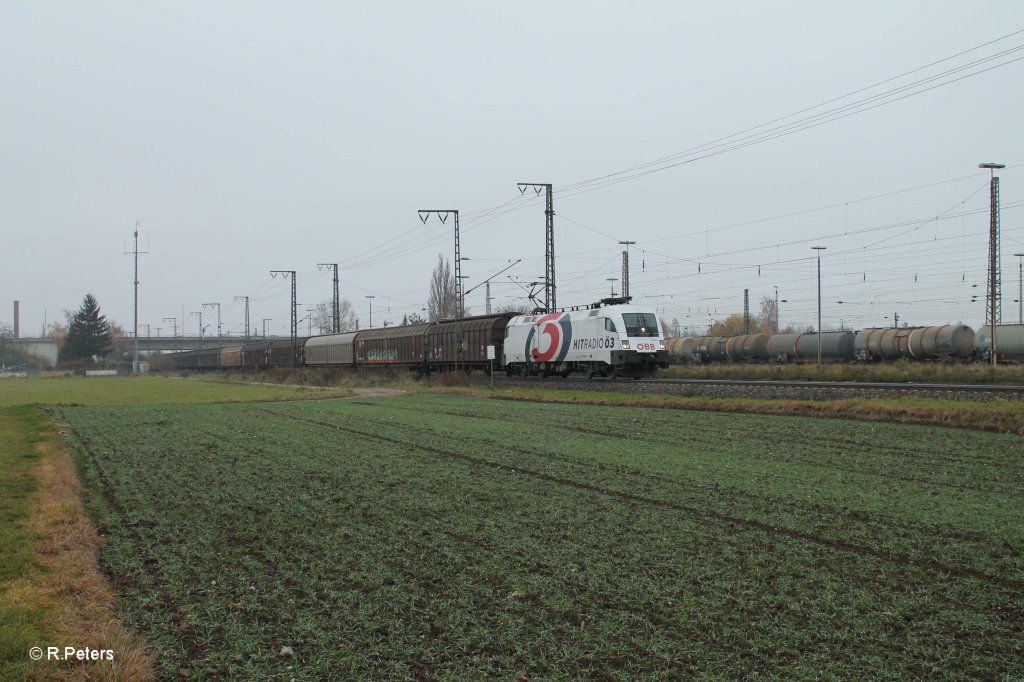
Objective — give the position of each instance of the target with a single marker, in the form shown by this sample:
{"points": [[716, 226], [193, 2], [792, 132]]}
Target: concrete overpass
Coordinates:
{"points": [[173, 343], [47, 349]]}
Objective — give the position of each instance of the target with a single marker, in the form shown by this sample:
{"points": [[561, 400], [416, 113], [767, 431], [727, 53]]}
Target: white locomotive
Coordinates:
{"points": [[614, 340]]}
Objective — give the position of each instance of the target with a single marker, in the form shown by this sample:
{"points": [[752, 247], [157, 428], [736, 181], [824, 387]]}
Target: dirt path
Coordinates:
{"points": [[377, 392]]}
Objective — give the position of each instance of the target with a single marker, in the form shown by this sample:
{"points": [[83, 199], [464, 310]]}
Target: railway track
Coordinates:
{"points": [[775, 389]]}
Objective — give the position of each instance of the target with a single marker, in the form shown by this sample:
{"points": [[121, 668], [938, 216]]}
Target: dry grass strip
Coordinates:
{"points": [[70, 583], [998, 416]]}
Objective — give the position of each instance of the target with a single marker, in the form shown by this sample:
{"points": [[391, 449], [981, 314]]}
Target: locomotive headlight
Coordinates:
{"points": [[625, 344], [661, 344]]}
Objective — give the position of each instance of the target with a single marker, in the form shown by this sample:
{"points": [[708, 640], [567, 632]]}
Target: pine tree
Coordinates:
{"points": [[88, 334]]}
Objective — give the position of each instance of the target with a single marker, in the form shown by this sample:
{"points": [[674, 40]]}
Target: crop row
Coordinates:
{"points": [[434, 537]]}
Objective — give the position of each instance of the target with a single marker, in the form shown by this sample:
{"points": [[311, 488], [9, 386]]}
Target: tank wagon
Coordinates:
{"points": [[835, 347], [747, 348], [946, 342], [1009, 342], [710, 348], [606, 341], [915, 343]]}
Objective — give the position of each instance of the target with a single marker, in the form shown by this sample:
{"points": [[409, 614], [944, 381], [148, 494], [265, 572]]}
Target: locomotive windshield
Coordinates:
{"points": [[640, 324]]}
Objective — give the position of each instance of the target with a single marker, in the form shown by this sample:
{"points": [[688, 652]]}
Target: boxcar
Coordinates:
{"points": [[332, 349], [256, 355], [401, 346], [205, 358], [231, 357], [477, 333], [280, 353]]}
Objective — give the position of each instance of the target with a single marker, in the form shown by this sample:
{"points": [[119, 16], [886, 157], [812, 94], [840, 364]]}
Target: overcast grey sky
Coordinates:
{"points": [[245, 137]]}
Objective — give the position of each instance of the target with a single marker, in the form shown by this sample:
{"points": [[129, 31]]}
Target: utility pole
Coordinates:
{"points": [[1020, 287], [211, 305], [549, 240], [295, 317], [370, 300], [487, 297], [746, 311], [336, 327], [265, 320], [895, 320], [136, 253], [993, 316], [442, 215], [819, 249], [246, 299], [776, 310]]}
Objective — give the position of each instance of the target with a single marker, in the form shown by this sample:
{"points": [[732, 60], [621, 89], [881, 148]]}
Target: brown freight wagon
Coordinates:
{"points": [[256, 355], [402, 346], [280, 353], [477, 334]]}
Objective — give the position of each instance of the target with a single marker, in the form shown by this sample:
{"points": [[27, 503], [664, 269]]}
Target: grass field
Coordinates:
{"points": [[50, 590], [450, 537], [135, 390]]}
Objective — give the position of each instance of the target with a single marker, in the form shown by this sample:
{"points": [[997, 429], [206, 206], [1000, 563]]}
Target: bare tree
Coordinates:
{"points": [[441, 303], [730, 326], [517, 308], [766, 320], [323, 316]]}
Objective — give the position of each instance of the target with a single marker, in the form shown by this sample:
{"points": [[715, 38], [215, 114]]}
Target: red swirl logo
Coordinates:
{"points": [[547, 326]]}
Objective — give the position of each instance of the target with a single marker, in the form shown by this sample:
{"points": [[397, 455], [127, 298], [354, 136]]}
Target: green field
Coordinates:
{"points": [[444, 537], [135, 390]]}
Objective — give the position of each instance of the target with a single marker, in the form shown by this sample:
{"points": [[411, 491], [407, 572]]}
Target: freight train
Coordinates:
{"points": [[946, 343], [606, 339]]}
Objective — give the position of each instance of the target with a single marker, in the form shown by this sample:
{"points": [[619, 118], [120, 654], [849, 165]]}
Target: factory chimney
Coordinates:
{"points": [[17, 321]]}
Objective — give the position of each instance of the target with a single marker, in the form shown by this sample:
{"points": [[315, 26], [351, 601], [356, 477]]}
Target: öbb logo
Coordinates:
{"points": [[549, 339]]}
